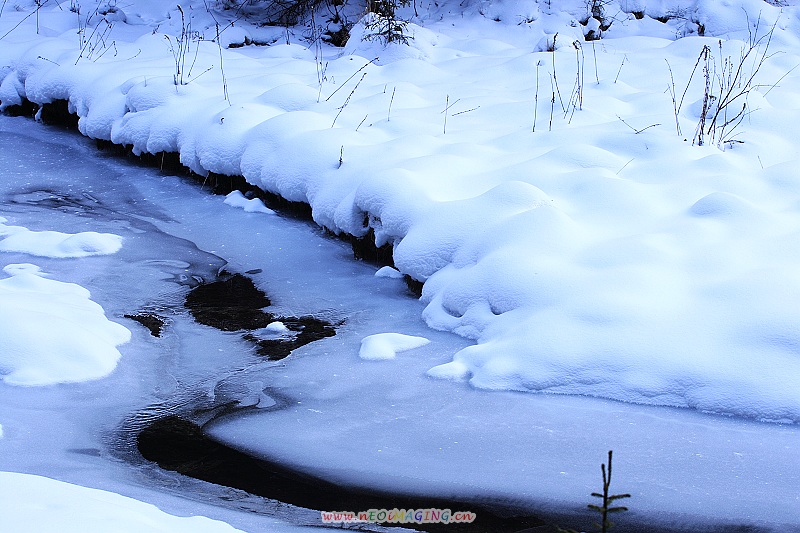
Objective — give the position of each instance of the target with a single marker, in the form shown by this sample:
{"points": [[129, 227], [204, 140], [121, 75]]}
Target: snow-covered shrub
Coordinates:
{"points": [[384, 24]]}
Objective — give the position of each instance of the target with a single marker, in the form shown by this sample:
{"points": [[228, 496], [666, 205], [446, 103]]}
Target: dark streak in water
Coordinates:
{"points": [[179, 445]]}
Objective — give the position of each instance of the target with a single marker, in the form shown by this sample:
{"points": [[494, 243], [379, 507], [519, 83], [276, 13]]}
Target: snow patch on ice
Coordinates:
{"points": [[253, 205], [388, 272], [55, 243], [386, 345], [51, 332], [273, 330]]}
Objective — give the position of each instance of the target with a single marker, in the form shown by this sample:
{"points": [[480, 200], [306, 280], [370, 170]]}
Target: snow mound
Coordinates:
{"points": [[51, 332], [388, 272], [273, 330], [386, 345], [253, 205], [36, 504], [57, 244]]}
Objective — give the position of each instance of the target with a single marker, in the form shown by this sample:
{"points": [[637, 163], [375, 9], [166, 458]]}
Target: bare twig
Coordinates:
{"points": [[221, 67], [552, 103], [637, 131], [625, 165], [347, 100], [624, 58], [371, 61], [555, 76], [536, 97]]}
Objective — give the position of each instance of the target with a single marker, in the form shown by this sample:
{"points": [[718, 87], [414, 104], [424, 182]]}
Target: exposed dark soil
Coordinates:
{"points": [[57, 113], [234, 303], [25, 109], [151, 321], [177, 444]]}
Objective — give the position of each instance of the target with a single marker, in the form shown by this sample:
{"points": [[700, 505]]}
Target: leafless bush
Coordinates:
{"points": [[275, 12]]}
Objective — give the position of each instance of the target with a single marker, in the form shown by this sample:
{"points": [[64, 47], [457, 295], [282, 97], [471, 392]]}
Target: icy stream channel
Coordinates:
{"points": [[360, 414]]}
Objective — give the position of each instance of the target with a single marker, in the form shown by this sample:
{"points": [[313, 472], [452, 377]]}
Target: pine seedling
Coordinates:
{"points": [[608, 499]]}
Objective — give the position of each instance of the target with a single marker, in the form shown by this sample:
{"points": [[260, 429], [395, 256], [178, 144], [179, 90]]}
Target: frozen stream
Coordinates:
{"points": [[54, 180], [376, 424]]}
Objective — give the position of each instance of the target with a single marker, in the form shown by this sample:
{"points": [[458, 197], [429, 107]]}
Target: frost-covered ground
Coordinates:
{"points": [[559, 206]]}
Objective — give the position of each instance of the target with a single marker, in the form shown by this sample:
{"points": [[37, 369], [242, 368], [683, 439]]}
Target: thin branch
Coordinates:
{"points": [[351, 77]]}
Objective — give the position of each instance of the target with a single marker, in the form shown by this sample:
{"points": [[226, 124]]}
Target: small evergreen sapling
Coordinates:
{"points": [[608, 500], [607, 507]]}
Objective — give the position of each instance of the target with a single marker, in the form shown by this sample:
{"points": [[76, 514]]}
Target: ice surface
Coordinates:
{"points": [[36, 504], [81, 432], [406, 435]]}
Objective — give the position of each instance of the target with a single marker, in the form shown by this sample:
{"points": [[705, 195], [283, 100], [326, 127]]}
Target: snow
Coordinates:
{"points": [[55, 243], [252, 205], [388, 272], [549, 192], [273, 330], [31, 503], [52, 332], [386, 345]]}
